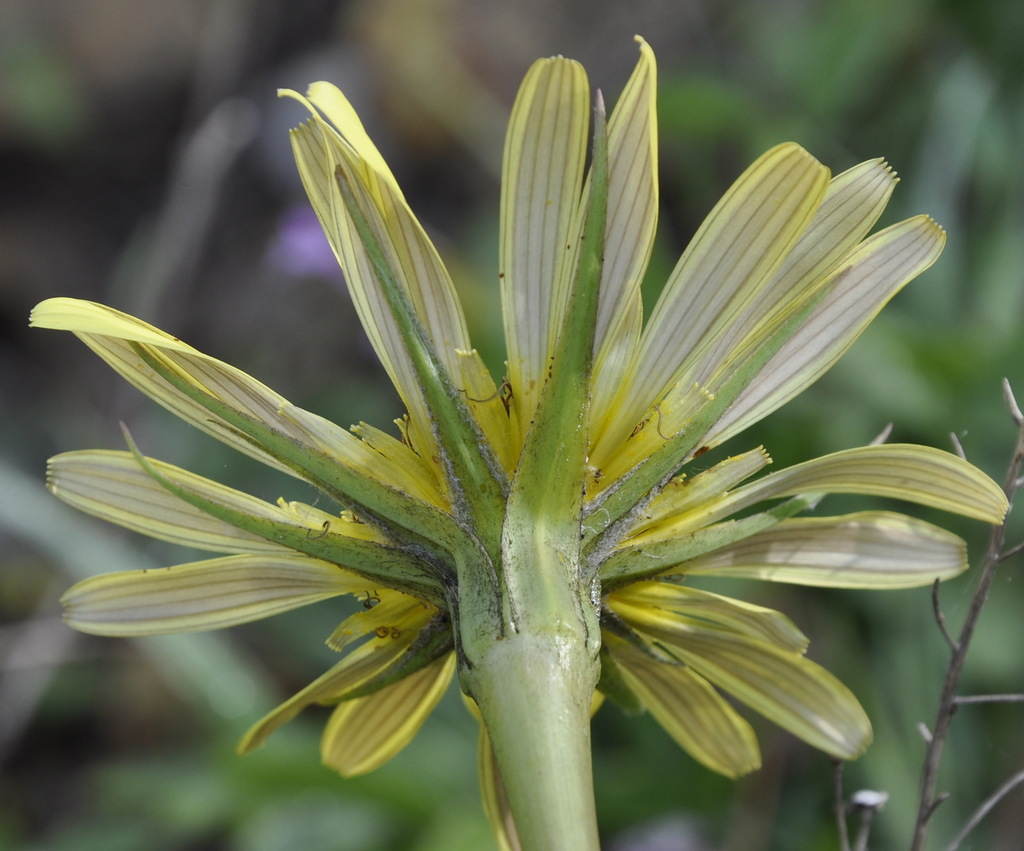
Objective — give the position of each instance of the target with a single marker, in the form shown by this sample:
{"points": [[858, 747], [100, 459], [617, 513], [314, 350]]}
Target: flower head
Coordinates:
{"points": [[545, 527]]}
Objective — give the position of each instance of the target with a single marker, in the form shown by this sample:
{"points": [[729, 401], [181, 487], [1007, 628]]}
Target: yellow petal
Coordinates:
{"points": [[386, 613], [871, 275], [632, 222], [364, 733], [113, 487], [872, 549], [690, 710], [918, 474], [356, 668], [545, 149], [786, 688], [395, 451], [740, 245], [488, 408], [734, 615], [327, 99], [203, 595], [688, 503]]}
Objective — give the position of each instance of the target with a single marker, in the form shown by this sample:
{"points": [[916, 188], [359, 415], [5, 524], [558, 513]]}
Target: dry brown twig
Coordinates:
{"points": [[959, 646], [949, 701]]}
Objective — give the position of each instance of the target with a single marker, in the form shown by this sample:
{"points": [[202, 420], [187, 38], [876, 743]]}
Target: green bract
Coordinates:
{"points": [[536, 535]]}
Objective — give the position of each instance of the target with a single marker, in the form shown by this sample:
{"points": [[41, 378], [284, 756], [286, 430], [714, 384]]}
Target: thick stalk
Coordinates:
{"points": [[535, 692], [530, 661]]}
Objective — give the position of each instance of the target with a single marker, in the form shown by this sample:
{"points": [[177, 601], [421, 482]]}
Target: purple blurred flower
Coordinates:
{"points": [[300, 248]]}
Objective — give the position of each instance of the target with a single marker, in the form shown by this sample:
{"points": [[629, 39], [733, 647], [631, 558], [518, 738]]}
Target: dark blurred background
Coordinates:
{"points": [[144, 163]]}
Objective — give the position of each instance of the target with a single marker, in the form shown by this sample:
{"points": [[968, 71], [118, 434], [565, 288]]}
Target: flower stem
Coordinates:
{"points": [[530, 661], [535, 692]]}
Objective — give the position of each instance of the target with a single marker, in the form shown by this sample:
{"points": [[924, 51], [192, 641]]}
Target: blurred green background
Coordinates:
{"points": [[144, 163]]}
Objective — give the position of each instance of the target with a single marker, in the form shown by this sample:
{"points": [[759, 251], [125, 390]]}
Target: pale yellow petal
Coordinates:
{"points": [[320, 151], [918, 474], [872, 549], [492, 791], [113, 336], [112, 486], [786, 688], [690, 710], [632, 222], [111, 333], [851, 206], [616, 357], [545, 150], [861, 287], [356, 668], [735, 615], [364, 733], [203, 595], [739, 247]]}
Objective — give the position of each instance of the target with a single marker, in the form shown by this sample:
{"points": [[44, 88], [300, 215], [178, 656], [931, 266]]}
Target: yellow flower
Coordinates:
{"points": [[537, 534]]}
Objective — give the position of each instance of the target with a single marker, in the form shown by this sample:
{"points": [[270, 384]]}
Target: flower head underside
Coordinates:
{"points": [[499, 506]]}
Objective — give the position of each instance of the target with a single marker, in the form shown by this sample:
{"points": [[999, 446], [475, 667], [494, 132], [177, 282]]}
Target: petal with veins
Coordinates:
{"points": [[203, 595], [545, 151], [872, 549], [740, 245], [871, 275], [691, 711], [364, 733]]}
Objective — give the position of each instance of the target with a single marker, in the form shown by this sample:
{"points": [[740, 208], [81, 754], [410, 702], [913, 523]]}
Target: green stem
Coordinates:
{"points": [[530, 661], [535, 692]]}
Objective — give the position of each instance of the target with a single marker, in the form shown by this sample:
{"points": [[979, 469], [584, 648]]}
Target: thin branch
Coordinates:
{"points": [[958, 447], [839, 805], [882, 436], [928, 800], [939, 799], [1010, 553], [991, 698], [985, 809], [182, 229], [940, 618], [866, 802], [867, 817], [1011, 403]]}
